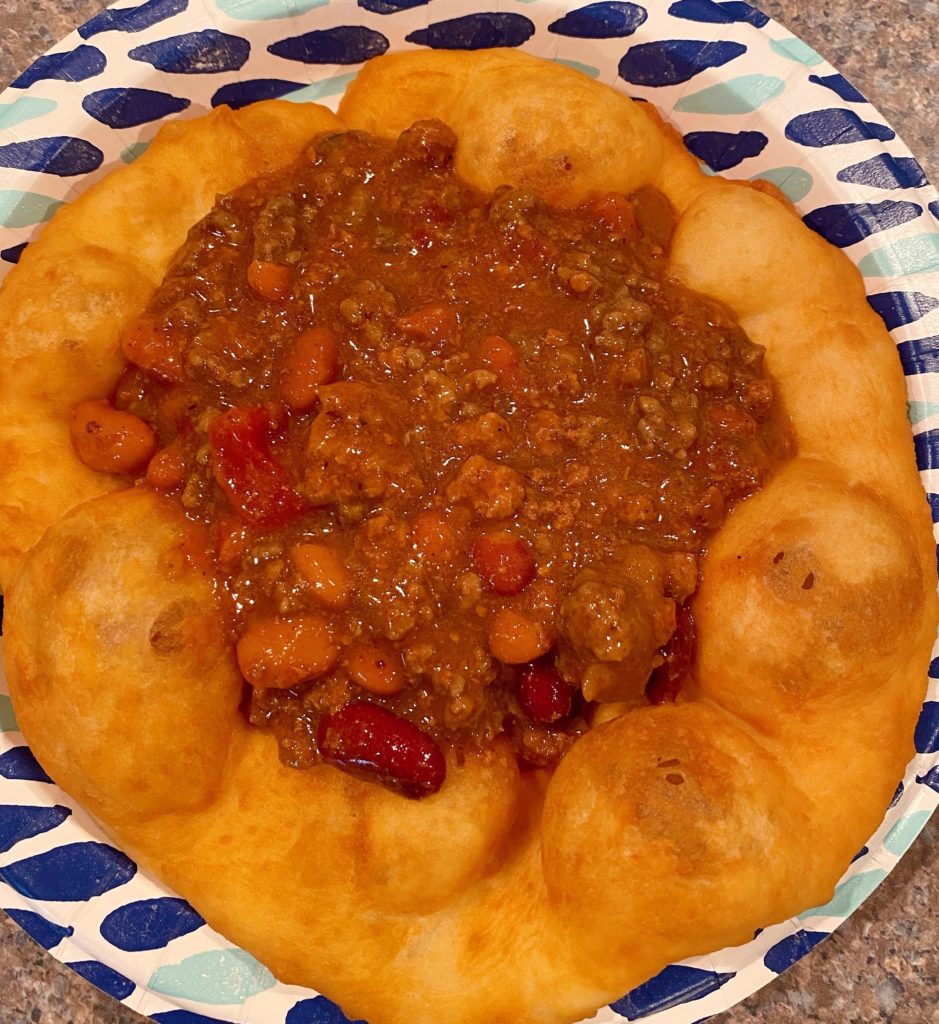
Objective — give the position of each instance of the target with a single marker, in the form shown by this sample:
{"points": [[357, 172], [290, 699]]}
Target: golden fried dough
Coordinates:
{"points": [[63, 306], [507, 897]]}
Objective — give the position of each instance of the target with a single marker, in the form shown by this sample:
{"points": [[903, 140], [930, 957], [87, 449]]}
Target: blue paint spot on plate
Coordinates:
{"points": [[723, 150], [126, 108], [927, 729], [220, 976], [195, 53], [671, 61], [23, 109], [863, 852], [845, 224], [794, 182], [39, 929], [926, 445], [795, 50], [834, 127], [12, 255], [885, 171], [718, 12], [675, 985], [897, 309], [317, 1011], [71, 873], [344, 44], [19, 822], [132, 19], [904, 833], [240, 94], [105, 978], [20, 763], [475, 32], [150, 924], [19, 209], [390, 6], [898, 792], [266, 10], [849, 895], [792, 948], [930, 779], [934, 208], [840, 86], [185, 1017], [61, 155], [740, 95], [905, 257], [608, 19], [74, 66]]}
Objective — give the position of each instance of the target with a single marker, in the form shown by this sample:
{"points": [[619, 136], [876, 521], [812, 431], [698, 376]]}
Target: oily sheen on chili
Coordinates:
{"points": [[456, 456]]}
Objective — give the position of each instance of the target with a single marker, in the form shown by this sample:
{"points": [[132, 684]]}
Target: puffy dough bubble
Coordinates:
{"points": [[521, 121], [110, 623], [671, 829], [813, 588]]}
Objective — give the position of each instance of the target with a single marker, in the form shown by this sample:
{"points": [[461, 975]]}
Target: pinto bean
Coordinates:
{"points": [[109, 440]]}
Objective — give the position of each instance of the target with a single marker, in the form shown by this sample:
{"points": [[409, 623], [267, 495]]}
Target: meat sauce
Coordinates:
{"points": [[459, 455]]}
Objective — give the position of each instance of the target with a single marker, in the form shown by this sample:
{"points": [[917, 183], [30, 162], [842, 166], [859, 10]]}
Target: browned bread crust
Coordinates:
{"points": [[665, 832]]}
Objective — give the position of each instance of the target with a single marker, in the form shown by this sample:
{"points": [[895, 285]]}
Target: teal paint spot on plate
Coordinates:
{"points": [[221, 977], [320, 90], [848, 896], [916, 412], [797, 50], [917, 255], [740, 95], [794, 182], [26, 108], [20, 209], [587, 69], [900, 838], [7, 718], [266, 10], [708, 172], [130, 153]]}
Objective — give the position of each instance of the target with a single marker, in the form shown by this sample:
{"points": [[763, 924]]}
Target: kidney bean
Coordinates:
{"points": [[368, 738], [109, 440], [258, 487], [543, 694], [666, 681], [504, 562]]}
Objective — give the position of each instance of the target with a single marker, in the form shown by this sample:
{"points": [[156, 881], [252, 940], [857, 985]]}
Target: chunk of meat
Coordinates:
{"points": [[613, 627], [356, 450], [491, 490]]}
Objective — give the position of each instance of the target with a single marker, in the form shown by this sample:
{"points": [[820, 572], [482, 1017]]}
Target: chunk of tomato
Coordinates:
{"points": [[258, 487]]}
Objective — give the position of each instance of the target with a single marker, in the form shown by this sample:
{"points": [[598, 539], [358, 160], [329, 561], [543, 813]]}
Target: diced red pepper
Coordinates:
{"points": [[257, 486]]}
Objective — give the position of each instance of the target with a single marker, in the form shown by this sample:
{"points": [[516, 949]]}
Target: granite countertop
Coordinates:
{"points": [[883, 965]]}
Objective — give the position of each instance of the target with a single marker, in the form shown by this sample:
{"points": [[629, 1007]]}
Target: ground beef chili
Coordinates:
{"points": [[459, 455]]}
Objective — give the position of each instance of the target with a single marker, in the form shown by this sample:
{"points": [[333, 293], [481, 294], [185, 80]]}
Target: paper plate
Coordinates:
{"points": [[751, 100]]}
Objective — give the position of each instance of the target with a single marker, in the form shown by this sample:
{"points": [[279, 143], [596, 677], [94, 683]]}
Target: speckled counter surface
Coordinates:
{"points": [[883, 965]]}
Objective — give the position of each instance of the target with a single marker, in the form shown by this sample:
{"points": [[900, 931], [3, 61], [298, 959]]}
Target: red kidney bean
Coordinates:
{"points": [[504, 561], [543, 694], [666, 681], [370, 738]]}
